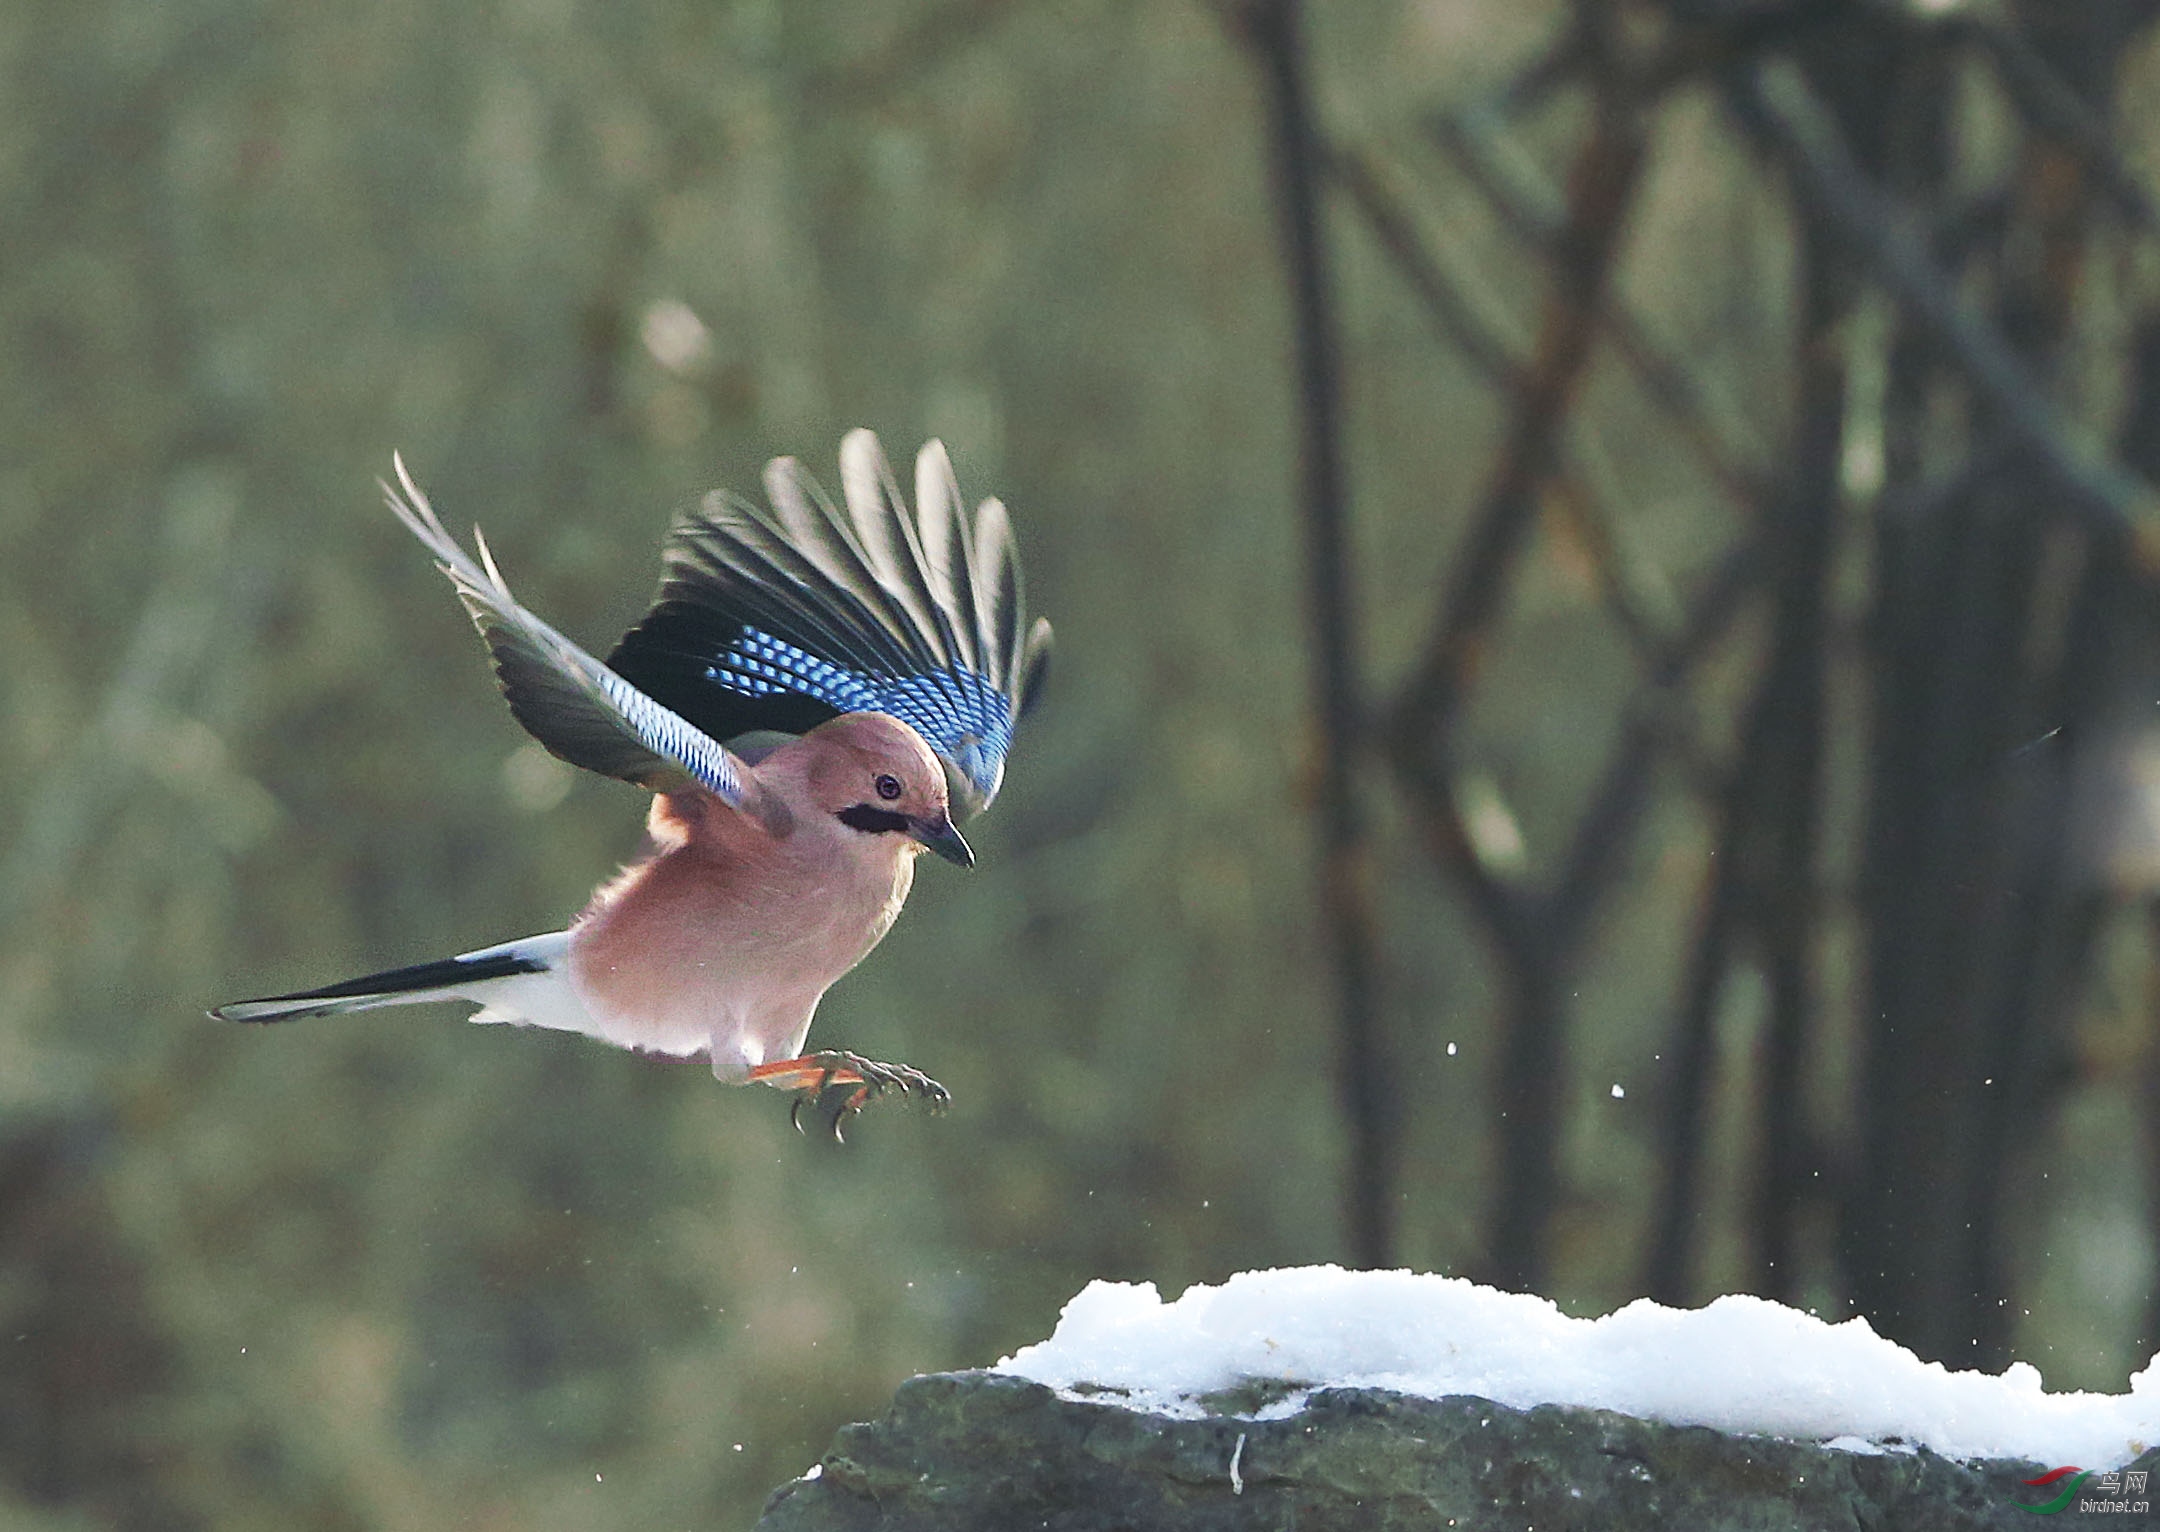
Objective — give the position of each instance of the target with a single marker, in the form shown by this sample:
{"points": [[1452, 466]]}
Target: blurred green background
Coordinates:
{"points": [[580, 263]]}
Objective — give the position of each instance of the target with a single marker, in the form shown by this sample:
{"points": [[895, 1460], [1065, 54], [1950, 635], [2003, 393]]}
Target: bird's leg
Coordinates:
{"points": [[850, 1078]]}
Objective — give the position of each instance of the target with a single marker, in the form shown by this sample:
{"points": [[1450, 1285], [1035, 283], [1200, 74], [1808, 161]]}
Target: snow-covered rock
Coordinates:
{"points": [[1326, 1398], [1741, 1365]]}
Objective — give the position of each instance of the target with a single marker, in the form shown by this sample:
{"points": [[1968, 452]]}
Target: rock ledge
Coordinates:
{"points": [[964, 1451]]}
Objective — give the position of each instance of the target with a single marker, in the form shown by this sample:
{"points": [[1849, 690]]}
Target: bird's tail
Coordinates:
{"points": [[505, 979]]}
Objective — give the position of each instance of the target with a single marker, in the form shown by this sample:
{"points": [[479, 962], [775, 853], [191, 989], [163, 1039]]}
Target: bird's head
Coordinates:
{"points": [[876, 776]]}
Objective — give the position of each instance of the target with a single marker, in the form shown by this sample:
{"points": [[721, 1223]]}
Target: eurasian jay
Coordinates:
{"points": [[818, 695]]}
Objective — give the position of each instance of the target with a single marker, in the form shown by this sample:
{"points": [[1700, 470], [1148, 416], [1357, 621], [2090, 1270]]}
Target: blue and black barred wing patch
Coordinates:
{"points": [[782, 618]]}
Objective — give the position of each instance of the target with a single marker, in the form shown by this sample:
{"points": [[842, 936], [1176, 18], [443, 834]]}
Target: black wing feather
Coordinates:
{"points": [[779, 617]]}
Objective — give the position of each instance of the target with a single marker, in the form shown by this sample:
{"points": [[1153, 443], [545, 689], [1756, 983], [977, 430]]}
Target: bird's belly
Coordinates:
{"points": [[743, 999], [673, 959]]}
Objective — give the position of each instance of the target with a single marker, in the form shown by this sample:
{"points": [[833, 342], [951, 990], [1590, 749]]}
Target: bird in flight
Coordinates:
{"points": [[819, 693]]}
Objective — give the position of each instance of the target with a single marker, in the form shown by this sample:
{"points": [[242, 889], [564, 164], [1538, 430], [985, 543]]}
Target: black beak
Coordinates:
{"points": [[940, 836]]}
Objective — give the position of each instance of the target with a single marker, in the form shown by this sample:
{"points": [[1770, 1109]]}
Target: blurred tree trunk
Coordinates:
{"points": [[1967, 896]]}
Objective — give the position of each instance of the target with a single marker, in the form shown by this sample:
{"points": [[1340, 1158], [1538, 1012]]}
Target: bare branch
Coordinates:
{"points": [[1365, 1078], [1776, 103], [2059, 112], [1485, 149]]}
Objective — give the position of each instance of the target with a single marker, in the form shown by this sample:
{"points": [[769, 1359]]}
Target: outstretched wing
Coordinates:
{"points": [[779, 618], [566, 699]]}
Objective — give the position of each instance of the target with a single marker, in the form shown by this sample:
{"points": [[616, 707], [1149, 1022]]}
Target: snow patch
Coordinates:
{"points": [[1742, 1365]]}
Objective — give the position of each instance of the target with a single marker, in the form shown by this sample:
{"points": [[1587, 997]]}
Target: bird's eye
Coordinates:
{"points": [[888, 786]]}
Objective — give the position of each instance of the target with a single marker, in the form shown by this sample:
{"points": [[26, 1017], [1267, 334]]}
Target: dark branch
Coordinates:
{"points": [[2059, 113], [1366, 1079], [1777, 105], [1528, 202]]}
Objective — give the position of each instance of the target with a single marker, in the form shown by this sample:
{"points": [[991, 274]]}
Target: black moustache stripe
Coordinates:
{"points": [[876, 821]]}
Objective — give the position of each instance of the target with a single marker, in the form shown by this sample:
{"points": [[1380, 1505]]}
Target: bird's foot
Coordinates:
{"points": [[842, 1084]]}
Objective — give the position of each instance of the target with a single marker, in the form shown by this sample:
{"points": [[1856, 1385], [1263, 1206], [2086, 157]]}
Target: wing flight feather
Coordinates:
{"points": [[579, 709], [783, 615]]}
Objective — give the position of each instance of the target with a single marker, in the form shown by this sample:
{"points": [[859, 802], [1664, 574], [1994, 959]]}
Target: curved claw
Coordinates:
{"points": [[853, 1078]]}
